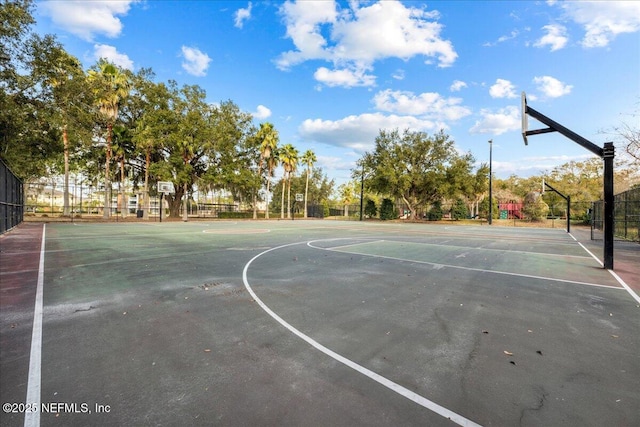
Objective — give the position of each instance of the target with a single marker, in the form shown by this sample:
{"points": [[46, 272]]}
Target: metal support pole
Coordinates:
{"points": [[490, 183], [362, 191], [608, 155], [568, 214], [567, 198]]}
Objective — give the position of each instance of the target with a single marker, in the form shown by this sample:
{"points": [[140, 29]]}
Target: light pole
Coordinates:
{"points": [[362, 191], [490, 186]]}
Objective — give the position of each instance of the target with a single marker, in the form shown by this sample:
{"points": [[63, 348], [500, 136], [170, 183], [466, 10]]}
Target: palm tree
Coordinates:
{"points": [[346, 194], [308, 158], [272, 164], [65, 79], [120, 147], [268, 138], [289, 160], [110, 86]]}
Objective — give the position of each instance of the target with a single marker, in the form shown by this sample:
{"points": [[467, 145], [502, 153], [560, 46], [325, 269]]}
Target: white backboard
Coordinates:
{"points": [[166, 187], [525, 118]]}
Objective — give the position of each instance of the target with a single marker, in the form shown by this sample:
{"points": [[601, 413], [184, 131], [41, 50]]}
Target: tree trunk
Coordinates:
{"points": [[266, 196], [65, 140], [412, 215], [289, 198], [175, 201], [107, 179], [125, 208], [306, 191], [284, 184], [145, 198], [255, 204], [185, 214], [255, 193]]}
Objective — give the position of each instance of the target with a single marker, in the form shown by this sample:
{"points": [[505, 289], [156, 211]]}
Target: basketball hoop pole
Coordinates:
{"points": [[568, 200], [490, 183], [607, 153]]}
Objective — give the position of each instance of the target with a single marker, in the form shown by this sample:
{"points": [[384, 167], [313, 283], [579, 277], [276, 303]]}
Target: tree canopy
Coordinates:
{"points": [[418, 168], [111, 125]]}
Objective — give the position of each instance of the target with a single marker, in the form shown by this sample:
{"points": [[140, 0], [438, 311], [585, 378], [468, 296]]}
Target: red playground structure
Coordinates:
{"points": [[510, 210]]}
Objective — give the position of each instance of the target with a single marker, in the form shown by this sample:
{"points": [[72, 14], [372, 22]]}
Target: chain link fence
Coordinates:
{"points": [[11, 199], [626, 220], [44, 199]]}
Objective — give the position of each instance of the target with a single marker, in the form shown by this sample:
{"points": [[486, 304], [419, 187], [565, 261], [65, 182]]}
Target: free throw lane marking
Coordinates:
{"points": [[32, 418], [420, 400], [459, 267]]}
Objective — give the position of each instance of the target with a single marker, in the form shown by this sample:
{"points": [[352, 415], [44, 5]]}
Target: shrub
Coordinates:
{"points": [[535, 208], [435, 213], [370, 209], [484, 208], [459, 210], [387, 210], [235, 215]]}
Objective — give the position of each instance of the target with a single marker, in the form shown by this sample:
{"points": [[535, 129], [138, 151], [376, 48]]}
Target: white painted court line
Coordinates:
{"points": [[480, 248], [615, 276], [420, 400], [482, 270], [336, 248], [32, 418], [588, 251], [627, 287]]}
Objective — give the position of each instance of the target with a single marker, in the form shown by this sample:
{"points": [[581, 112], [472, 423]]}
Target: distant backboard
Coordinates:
{"points": [[525, 118], [166, 187]]}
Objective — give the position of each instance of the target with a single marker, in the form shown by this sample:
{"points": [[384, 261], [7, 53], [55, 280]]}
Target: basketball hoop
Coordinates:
{"points": [[166, 187]]}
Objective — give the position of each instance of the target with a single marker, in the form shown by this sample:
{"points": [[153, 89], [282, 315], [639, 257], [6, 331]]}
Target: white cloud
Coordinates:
{"points": [[355, 38], [498, 122], [359, 132], [530, 166], [429, 105], [457, 86], [195, 61], [344, 77], [242, 15], [398, 74], [503, 39], [261, 112], [603, 21], [303, 21], [112, 55], [389, 29], [334, 163], [552, 87], [556, 37], [502, 89], [87, 18]]}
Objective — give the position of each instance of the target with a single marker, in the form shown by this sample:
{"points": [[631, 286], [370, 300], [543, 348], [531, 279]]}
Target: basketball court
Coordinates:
{"points": [[316, 323]]}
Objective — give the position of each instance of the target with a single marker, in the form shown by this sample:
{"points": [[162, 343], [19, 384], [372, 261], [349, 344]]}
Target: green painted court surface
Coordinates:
{"points": [[324, 323]]}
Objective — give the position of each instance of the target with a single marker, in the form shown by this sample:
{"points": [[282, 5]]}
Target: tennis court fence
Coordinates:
{"points": [[626, 212], [11, 199]]}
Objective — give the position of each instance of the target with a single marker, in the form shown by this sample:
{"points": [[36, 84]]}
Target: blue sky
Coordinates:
{"points": [[330, 74]]}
